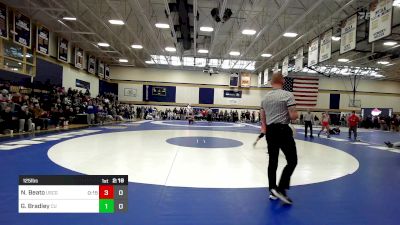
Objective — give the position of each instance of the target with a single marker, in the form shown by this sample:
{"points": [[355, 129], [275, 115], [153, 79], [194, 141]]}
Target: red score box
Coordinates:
{"points": [[106, 192]]}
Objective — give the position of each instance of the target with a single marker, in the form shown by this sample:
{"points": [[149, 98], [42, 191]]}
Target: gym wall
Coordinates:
{"points": [[371, 93], [172, 76], [70, 73]]}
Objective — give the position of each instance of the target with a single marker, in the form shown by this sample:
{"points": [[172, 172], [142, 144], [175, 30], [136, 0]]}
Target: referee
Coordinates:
{"points": [[280, 107], [308, 121]]}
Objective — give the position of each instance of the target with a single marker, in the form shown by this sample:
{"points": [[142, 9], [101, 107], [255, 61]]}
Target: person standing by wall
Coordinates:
{"points": [[190, 114], [353, 121], [90, 111], [394, 123], [209, 113], [308, 121], [280, 107]]}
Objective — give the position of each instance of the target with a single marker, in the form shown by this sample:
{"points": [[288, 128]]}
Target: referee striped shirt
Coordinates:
{"points": [[276, 104]]}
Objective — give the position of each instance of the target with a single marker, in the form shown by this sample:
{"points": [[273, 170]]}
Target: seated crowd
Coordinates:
{"points": [[180, 113], [56, 107]]}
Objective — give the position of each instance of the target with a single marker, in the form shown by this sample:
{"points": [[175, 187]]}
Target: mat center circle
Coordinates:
{"points": [[147, 157], [204, 142]]}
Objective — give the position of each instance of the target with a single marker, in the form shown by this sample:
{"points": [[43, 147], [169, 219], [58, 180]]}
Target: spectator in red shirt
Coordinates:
{"points": [[353, 121]]}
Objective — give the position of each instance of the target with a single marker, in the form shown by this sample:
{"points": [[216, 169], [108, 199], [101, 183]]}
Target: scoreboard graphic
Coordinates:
{"points": [[159, 91], [73, 194]]}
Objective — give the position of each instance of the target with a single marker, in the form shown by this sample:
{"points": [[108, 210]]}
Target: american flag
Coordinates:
{"points": [[305, 90]]}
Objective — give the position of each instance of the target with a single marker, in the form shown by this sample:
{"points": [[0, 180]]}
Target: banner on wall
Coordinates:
{"points": [[42, 39], [266, 77], [91, 67], [276, 67], [245, 80], [313, 52], [79, 58], [100, 69], [285, 66], [131, 92], [348, 34], [106, 71], [232, 94], [3, 21], [298, 64], [23, 29], [63, 49], [234, 80], [260, 81], [82, 84], [325, 50], [380, 21]]}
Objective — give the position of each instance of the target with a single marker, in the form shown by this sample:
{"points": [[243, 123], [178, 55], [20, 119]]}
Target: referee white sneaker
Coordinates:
{"points": [[272, 196], [282, 196]]}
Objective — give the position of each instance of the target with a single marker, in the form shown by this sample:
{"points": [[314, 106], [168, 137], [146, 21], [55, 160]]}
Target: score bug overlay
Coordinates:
{"points": [[73, 194]]}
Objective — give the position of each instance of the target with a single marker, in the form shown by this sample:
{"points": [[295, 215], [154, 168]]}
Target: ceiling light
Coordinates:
{"points": [[249, 32], [266, 55], [162, 25], [207, 29], [202, 51], [170, 49], [149, 62], [123, 60], [103, 44], [390, 43], [69, 18], [383, 62], [335, 38], [116, 22], [343, 60], [136, 46], [28, 56], [234, 53], [290, 34], [396, 3]]}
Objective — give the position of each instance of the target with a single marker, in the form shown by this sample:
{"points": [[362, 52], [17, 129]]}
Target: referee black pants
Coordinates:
{"points": [[307, 125], [280, 136]]}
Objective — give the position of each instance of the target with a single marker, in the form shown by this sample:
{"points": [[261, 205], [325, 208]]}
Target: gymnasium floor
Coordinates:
{"points": [[211, 174]]}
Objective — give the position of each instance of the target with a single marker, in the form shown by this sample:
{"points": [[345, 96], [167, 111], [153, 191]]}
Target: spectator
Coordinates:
{"points": [[25, 119], [6, 120], [394, 123], [37, 116], [90, 111]]}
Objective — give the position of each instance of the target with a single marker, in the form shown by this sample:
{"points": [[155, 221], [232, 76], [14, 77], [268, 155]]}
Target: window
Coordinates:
{"points": [[16, 58]]}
